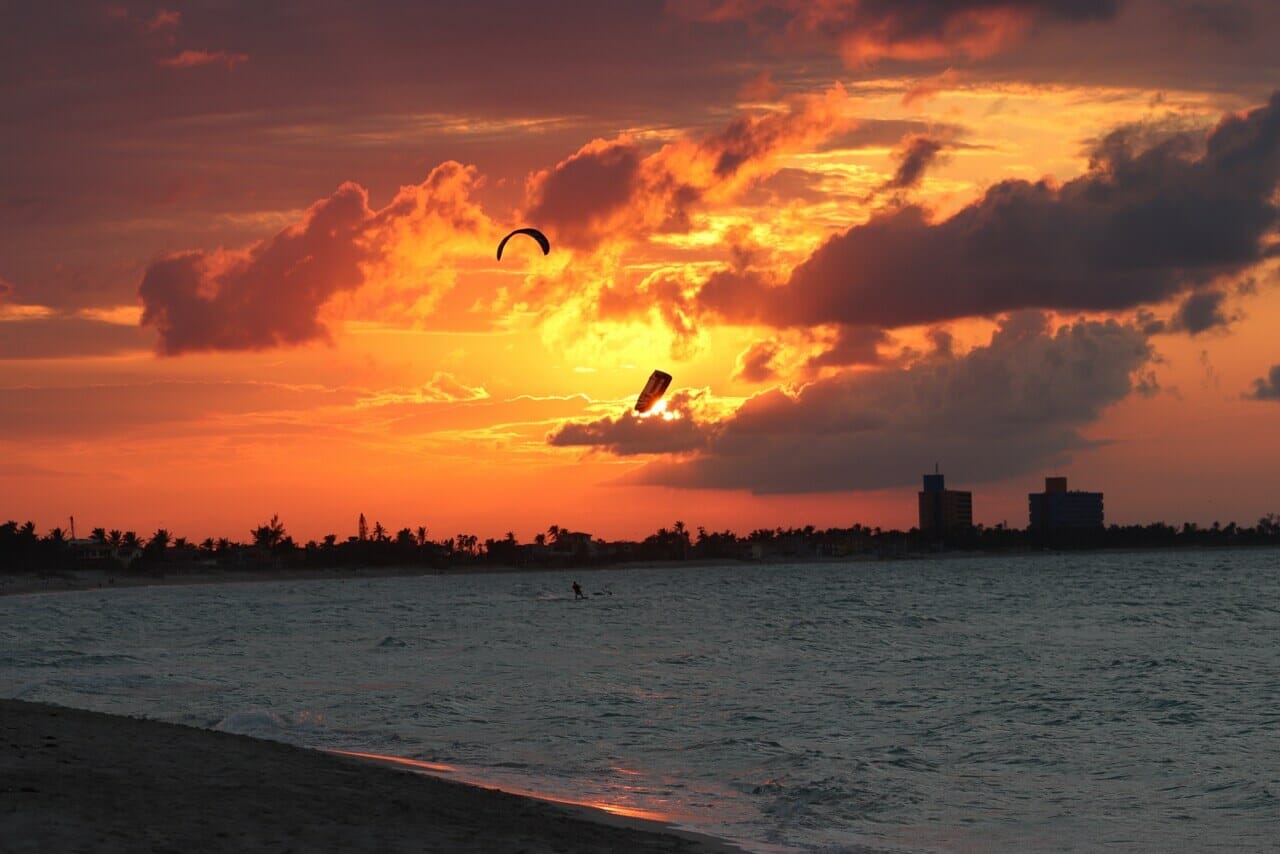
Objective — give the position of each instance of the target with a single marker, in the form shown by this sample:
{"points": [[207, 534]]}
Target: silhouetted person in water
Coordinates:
{"points": [[577, 591]]}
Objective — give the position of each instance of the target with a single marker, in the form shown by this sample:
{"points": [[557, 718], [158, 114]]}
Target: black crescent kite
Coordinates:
{"points": [[532, 232]]}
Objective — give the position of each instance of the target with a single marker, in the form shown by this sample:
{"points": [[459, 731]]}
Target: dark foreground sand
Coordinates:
{"points": [[73, 780]]}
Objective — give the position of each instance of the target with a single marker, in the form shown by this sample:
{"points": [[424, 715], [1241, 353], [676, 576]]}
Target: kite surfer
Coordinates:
{"points": [[577, 591]]}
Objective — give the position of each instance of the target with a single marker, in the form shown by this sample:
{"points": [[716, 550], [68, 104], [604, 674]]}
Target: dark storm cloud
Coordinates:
{"points": [[1267, 388], [1005, 409], [1138, 227]]}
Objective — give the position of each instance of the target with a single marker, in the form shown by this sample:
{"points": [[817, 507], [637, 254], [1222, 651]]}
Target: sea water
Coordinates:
{"points": [[1049, 703]]}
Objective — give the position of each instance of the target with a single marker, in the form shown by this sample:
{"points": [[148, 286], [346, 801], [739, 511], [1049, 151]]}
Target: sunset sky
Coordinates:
{"points": [[247, 262]]}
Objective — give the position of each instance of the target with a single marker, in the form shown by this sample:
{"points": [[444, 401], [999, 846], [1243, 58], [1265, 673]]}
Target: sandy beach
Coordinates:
{"points": [[73, 780]]}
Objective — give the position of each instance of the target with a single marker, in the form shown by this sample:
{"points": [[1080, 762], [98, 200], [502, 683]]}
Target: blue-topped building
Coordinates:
{"points": [[1061, 509], [944, 511]]}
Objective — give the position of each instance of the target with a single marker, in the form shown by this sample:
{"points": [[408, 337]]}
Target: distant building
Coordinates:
{"points": [[1060, 509], [944, 512], [89, 552]]}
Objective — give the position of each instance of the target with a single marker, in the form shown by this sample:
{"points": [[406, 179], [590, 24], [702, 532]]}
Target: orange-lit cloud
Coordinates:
{"points": [[864, 31], [684, 424], [197, 58], [265, 296], [163, 20], [853, 345], [271, 293], [756, 363], [611, 189], [1138, 227], [988, 412], [930, 87]]}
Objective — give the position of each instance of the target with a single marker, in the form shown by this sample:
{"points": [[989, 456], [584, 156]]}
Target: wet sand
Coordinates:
{"points": [[73, 780]]}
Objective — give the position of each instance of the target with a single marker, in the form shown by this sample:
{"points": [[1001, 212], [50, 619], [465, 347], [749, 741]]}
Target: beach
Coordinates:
{"points": [[73, 780]]}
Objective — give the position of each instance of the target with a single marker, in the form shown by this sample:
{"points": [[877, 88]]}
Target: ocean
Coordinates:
{"points": [[1126, 702]]}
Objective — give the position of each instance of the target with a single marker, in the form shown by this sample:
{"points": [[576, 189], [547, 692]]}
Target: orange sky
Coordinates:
{"points": [[1012, 238]]}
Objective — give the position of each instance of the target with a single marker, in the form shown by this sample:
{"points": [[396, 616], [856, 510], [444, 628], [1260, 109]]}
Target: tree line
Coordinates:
{"points": [[24, 550]]}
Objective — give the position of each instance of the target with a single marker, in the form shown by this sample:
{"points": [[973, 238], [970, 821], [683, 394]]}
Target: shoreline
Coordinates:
{"points": [[71, 581], [76, 780]]}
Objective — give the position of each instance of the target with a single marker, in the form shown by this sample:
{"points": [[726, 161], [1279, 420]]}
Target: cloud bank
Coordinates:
{"points": [[864, 31], [271, 293], [1139, 227], [999, 410], [612, 187], [1267, 388]]}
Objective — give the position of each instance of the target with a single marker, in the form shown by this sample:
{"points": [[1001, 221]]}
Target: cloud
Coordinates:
{"points": [[163, 20], [930, 87], [915, 155], [266, 296], [1201, 312], [864, 31], [613, 189], [443, 387], [196, 58], [1004, 409], [270, 294], [878, 133], [681, 427], [853, 345], [580, 198], [756, 363], [1266, 388], [1139, 227]]}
